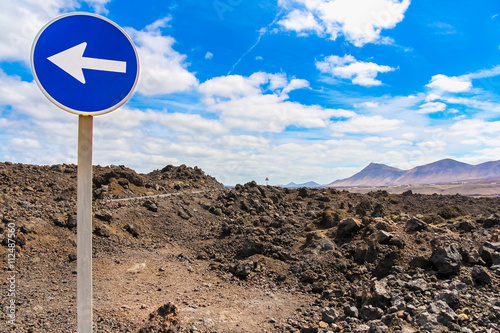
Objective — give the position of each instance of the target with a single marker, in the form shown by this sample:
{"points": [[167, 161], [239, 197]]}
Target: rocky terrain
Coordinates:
{"points": [[176, 251]]}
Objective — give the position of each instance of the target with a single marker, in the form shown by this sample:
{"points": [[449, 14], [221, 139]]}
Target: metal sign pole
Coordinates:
{"points": [[84, 225], [61, 67]]}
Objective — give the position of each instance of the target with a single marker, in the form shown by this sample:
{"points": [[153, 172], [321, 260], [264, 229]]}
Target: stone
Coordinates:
{"points": [[443, 312], [447, 260], [381, 293], [362, 328], [325, 245], [417, 285], [164, 319], [378, 327], [426, 318], [420, 262], [370, 312], [480, 275], [102, 231], [415, 224], [309, 276], [398, 303], [383, 237], [151, 206], [132, 229], [322, 324], [104, 215], [449, 297], [350, 310], [329, 315], [348, 227], [379, 210], [243, 269], [72, 221], [490, 253], [365, 252]]}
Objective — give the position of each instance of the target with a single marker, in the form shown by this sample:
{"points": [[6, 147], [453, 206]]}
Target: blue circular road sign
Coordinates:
{"points": [[85, 63]]}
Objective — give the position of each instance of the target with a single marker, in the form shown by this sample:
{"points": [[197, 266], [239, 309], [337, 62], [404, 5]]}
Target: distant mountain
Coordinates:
{"points": [[308, 184], [443, 171], [374, 175]]}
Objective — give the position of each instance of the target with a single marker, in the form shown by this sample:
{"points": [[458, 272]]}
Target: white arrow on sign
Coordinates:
{"points": [[73, 62]]}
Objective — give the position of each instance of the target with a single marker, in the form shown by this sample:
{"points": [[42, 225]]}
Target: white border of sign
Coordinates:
{"points": [[65, 108]]}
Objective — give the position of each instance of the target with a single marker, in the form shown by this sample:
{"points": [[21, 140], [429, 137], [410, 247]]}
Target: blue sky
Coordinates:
{"points": [[293, 90]]}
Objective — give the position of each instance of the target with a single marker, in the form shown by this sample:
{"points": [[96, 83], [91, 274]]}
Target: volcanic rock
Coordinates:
{"points": [[447, 260]]}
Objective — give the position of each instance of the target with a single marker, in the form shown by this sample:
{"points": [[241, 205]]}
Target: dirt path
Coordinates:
{"points": [[165, 195], [140, 282]]}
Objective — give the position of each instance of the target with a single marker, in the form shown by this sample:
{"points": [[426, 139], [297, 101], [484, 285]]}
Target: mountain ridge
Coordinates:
{"points": [[442, 171], [294, 185]]}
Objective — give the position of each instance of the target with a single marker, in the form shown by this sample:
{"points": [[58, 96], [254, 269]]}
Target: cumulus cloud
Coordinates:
{"points": [[260, 103], [432, 107], [20, 24], [301, 22], [347, 67], [450, 84], [359, 21], [163, 70], [20, 21]]}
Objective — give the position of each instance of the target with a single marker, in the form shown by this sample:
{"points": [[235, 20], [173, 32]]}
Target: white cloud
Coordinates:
{"points": [[99, 6], [259, 103], [24, 144], [484, 73], [269, 113], [474, 128], [432, 97], [27, 99], [452, 84], [127, 118], [20, 21], [484, 106], [209, 55], [295, 84], [365, 124], [432, 107], [233, 86], [239, 142], [434, 145], [347, 67], [163, 70], [301, 21], [369, 105], [410, 136], [360, 21]]}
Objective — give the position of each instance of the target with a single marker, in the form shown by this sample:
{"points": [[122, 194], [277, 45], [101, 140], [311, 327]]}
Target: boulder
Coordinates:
{"points": [[490, 253], [480, 275], [447, 260], [348, 227], [415, 224]]}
